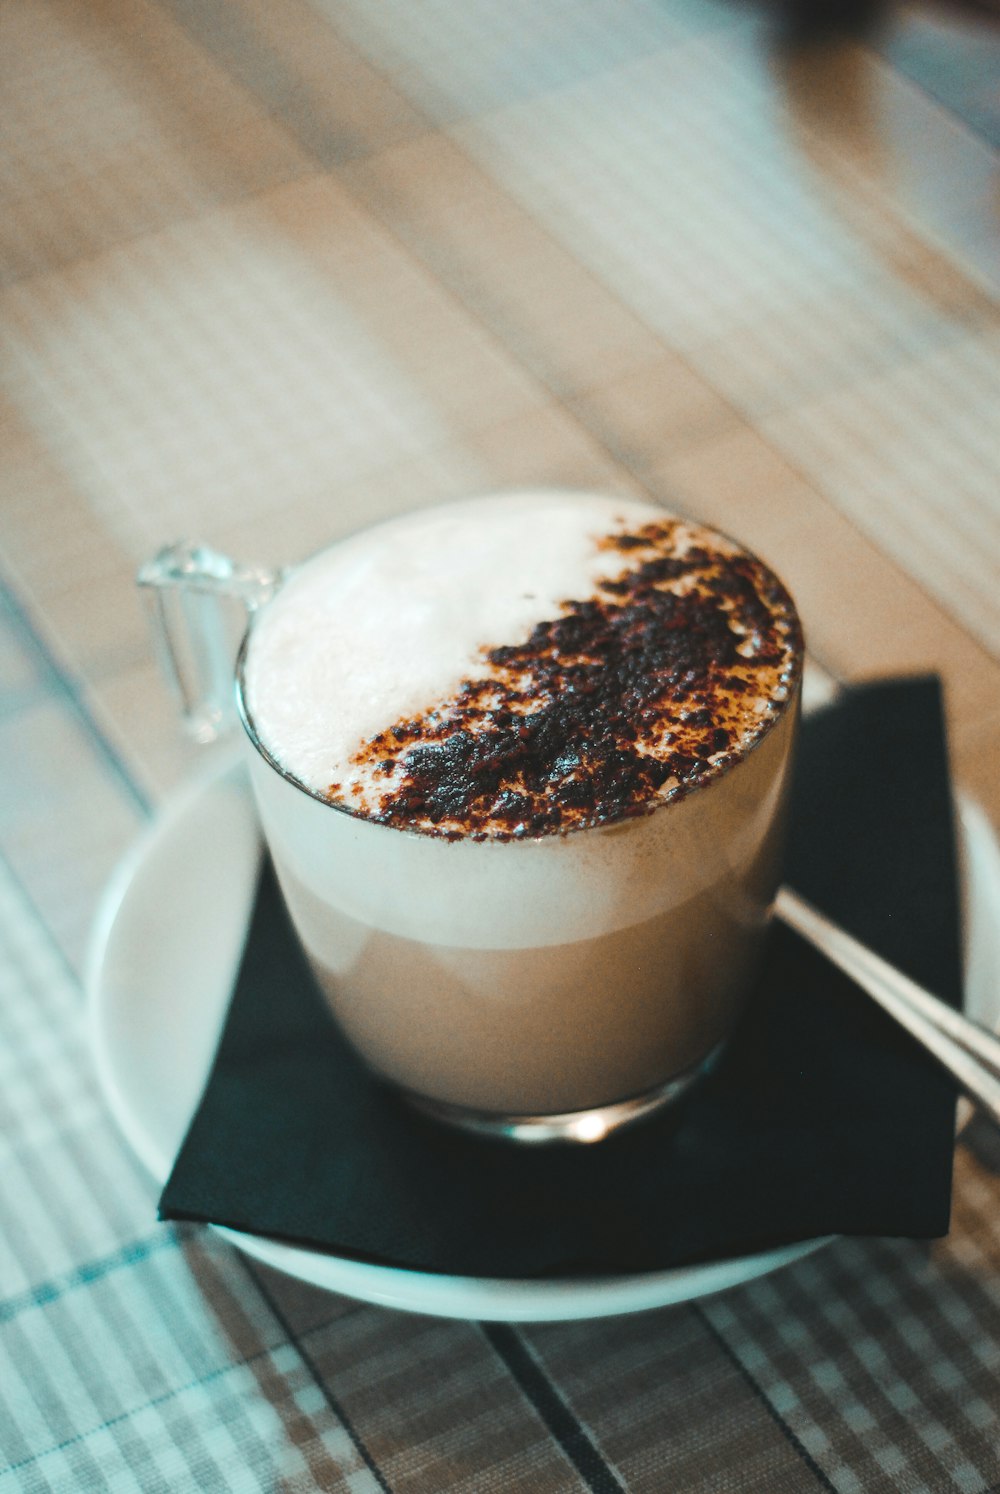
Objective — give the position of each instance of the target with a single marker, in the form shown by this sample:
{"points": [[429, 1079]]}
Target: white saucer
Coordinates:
{"points": [[162, 964]]}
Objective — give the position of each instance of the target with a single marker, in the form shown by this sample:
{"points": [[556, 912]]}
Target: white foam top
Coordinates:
{"points": [[520, 663], [386, 622]]}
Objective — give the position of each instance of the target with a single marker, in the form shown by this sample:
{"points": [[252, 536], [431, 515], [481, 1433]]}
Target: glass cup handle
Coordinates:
{"points": [[199, 603]]}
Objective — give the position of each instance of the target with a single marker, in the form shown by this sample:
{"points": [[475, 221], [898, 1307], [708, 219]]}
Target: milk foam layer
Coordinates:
{"points": [[532, 892], [428, 672]]}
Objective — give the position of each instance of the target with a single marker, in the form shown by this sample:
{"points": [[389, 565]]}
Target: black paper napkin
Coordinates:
{"points": [[823, 1117]]}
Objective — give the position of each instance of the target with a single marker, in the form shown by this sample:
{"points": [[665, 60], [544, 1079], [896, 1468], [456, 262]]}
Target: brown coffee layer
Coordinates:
{"points": [[535, 1031], [630, 697]]}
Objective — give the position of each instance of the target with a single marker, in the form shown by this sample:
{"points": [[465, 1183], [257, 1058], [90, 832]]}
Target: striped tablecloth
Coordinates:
{"points": [[273, 270]]}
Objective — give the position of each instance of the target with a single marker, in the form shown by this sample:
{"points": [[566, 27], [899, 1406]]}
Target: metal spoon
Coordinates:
{"points": [[970, 1053]]}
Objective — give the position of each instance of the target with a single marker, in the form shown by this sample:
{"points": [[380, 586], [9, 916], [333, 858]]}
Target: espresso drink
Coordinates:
{"points": [[522, 764]]}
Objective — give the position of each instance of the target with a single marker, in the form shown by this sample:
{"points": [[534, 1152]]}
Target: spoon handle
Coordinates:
{"points": [[969, 1052]]}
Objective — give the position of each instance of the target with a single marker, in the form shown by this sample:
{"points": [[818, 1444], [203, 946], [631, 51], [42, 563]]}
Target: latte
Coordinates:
{"points": [[522, 764]]}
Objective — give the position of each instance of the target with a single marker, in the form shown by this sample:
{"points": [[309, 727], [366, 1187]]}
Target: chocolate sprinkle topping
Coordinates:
{"points": [[628, 698]]}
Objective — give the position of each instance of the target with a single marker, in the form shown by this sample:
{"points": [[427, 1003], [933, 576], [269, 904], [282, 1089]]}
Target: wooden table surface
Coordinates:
{"points": [[273, 270]]}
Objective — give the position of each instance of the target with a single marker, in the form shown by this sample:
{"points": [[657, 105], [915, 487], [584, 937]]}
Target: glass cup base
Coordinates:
{"points": [[573, 1126]]}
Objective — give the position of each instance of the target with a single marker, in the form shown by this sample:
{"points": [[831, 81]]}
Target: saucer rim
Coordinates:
{"points": [[547, 1299]]}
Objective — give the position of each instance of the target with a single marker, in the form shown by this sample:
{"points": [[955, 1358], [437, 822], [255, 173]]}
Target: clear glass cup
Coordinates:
{"points": [[541, 989]]}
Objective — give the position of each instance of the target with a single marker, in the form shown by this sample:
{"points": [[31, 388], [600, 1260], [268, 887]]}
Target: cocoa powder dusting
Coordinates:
{"points": [[627, 698]]}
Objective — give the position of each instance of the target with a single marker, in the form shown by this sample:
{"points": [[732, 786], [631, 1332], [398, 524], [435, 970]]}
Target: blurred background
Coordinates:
{"points": [[275, 270]]}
